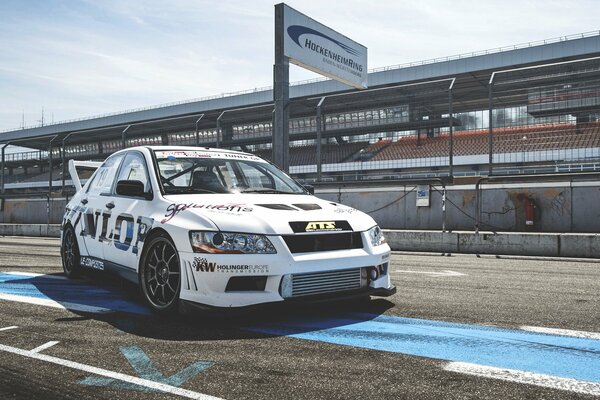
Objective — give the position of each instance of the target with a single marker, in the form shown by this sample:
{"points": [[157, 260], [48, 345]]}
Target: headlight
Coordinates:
{"points": [[376, 236], [231, 243]]}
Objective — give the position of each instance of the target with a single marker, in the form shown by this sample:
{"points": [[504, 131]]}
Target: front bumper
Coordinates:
{"points": [[308, 300], [205, 277]]}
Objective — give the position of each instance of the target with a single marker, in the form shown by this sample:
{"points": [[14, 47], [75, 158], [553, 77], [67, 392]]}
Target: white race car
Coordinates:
{"points": [[218, 228]]}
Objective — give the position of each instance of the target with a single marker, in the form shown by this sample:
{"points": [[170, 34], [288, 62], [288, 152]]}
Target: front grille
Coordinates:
{"points": [[325, 282], [323, 242]]}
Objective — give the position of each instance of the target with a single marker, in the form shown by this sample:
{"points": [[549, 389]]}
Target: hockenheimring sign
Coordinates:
{"points": [[318, 48]]}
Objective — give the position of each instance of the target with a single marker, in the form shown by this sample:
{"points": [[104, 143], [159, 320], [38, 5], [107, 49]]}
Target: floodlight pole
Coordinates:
{"points": [[450, 138], [63, 160], [281, 94], [124, 135], [3, 149], [490, 125], [51, 166], [219, 126], [197, 131], [320, 138]]}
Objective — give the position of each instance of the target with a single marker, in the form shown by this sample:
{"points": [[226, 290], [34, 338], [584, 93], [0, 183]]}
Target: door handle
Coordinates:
{"points": [[110, 205], [84, 201]]}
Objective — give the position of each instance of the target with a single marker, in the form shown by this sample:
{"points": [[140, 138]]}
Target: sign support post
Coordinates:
{"points": [[281, 95]]}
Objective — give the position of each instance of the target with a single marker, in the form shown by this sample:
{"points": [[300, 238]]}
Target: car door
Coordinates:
{"points": [[95, 218], [129, 222]]}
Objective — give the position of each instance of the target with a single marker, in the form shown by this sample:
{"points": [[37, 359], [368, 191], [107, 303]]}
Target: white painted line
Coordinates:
{"points": [[562, 332], [8, 327], [109, 374], [528, 378], [44, 346], [55, 304], [433, 273], [34, 275]]}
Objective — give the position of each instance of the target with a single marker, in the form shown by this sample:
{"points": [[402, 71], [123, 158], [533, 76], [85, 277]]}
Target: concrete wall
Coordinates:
{"points": [[33, 211], [34, 230], [511, 243], [561, 207]]}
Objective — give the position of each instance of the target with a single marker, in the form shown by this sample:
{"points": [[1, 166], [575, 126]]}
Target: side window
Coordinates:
{"points": [[105, 176], [134, 169]]}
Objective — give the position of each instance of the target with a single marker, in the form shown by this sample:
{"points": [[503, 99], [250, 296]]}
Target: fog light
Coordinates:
{"points": [[374, 273], [286, 287]]}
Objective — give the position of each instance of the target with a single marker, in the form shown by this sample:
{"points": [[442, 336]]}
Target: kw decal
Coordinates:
{"points": [[202, 265]]}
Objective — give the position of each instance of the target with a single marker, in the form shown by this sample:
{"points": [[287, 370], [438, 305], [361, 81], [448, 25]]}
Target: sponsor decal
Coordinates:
{"points": [[92, 263], [201, 264], [344, 210], [320, 226], [174, 209], [385, 257], [173, 155], [96, 226]]}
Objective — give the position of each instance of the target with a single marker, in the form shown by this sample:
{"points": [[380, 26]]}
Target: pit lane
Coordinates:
{"points": [[459, 327]]}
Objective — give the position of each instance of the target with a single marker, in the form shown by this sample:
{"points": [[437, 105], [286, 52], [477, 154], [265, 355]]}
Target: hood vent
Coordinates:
{"points": [[282, 207], [308, 207]]}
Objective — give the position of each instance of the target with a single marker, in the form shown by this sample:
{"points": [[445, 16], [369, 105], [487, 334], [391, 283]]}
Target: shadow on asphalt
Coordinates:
{"points": [[130, 315]]}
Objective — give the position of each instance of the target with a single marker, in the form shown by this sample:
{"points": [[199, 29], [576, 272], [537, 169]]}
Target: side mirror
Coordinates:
{"points": [[132, 189], [310, 189]]}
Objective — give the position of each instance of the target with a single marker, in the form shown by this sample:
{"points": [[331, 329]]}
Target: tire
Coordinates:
{"points": [[160, 275], [69, 251]]}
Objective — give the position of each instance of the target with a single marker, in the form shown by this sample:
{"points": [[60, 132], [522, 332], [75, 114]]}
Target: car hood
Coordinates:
{"points": [[269, 214]]}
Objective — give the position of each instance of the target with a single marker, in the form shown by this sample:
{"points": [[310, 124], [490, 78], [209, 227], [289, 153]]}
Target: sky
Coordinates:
{"points": [[80, 58]]}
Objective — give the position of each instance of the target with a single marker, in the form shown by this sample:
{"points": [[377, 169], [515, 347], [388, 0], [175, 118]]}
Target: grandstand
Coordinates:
{"points": [[532, 107]]}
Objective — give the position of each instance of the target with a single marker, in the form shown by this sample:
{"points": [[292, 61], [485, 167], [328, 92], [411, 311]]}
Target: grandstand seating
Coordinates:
{"points": [[506, 140], [307, 154]]}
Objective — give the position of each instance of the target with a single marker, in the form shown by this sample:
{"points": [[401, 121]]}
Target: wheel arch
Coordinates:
{"points": [[151, 234]]}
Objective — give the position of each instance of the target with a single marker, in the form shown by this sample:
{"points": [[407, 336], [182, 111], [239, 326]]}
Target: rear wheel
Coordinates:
{"points": [[71, 259], [160, 275]]}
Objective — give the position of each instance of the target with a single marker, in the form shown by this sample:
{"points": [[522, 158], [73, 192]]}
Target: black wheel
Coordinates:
{"points": [[160, 275], [69, 252]]}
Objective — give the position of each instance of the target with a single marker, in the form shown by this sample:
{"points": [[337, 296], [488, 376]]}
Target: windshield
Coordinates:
{"points": [[212, 172]]}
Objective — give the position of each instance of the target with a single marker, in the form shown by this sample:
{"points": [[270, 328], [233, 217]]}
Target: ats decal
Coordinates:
{"points": [[175, 209], [320, 226], [201, 264]]}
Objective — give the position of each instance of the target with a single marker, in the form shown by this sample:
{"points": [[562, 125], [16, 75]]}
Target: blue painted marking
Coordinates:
{"points": [[560, 356], [146, 369], [68, 291]]}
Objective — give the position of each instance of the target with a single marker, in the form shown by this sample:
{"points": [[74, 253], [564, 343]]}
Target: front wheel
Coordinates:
{"points": [[160, 275], [69, 251]]}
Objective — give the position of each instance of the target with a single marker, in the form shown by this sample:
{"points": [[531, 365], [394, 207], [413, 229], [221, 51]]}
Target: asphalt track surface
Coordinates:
{"points": [[456, 329]]}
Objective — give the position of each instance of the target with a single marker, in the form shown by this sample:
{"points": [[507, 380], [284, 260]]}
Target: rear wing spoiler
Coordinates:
{"points": [[85, 165]]}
